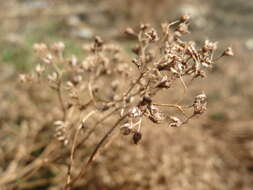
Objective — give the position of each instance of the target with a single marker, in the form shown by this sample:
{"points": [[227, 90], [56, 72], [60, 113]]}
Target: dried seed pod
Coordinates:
{"points": [[228, 52], [137, 137], [98, 44], [126, 129], [129, 31], [134, 112], [58, 47], [73, 61], [48, 58], [60, 131], [144, 27], [24, 78], [201, 97], [209, 46], [175, 122], [39, 69], [53, 77], [184, 18], [182, 28], [40, 47], [146, 100], [136, 62], [200, 104], [152, 35]]}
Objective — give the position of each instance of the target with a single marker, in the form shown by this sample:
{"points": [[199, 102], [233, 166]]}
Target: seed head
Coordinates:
{"points": [[200, 103], [228, 52], [137, 137], [98, 41], [175, 122], [209, 46], [184, 18], [130, 32], [126, 129], [39, 69], [134, 112], [58, 47], [40, 47]]}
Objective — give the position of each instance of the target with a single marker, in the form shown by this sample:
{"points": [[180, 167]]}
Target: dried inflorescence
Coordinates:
{"points": [[104, 83]]}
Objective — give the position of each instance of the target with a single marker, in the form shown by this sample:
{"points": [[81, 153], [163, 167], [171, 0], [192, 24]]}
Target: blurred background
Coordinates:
{"points": [[213, 152]]}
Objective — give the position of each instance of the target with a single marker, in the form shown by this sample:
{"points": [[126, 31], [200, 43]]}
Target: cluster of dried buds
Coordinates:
{"points": [[60, 134], [163, 60], [105, 79]]}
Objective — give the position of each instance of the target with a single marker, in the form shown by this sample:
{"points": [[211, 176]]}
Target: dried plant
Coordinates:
{"points": [[103, 86]]}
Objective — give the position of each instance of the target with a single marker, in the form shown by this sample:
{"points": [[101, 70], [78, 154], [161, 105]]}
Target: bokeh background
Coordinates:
{"points": [[213, 152]]}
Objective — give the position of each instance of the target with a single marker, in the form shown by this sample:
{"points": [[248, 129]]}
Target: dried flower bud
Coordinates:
{"points": [[69, 85], [47, 59], [53, 77], [61, 131], [39, 69], [137, 137], [228, 52], [201, 97], [175, 122], [200, 104], [129, 31], [134, 112], [182, 28], [76, 79], [144, 27], [209, 46], [73, 61], [98, 41], [136, 62], [155, 115], [126, 129], [58, 47], [152, 35], [146, 100], [200, 73], [59, 124], [23, 78], [40, 47], [184, 18]]}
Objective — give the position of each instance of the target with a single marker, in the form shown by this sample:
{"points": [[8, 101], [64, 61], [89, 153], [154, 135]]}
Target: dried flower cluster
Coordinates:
{"points": [[103, 85]]}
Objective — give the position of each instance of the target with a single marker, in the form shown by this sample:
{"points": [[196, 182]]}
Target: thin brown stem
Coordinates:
{"points": [[73, 148], [60, 97], [172, 106], [94, 153]]}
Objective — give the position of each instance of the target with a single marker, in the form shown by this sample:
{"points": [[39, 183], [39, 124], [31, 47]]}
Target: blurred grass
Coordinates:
{"points": [[22, 56]]}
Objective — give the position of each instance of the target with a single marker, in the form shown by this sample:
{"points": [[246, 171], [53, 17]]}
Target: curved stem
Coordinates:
{"points": [[60, 97], [172, 106], [73, 148], [94, 153]]}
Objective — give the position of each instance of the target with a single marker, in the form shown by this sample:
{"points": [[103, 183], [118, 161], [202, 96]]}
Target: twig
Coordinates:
{"points": [[95, 151], [60, 97], [72, 153], [172, 106]]}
